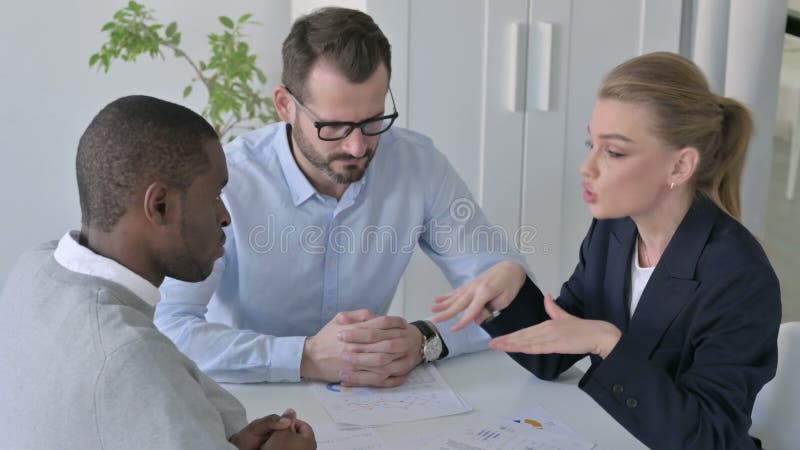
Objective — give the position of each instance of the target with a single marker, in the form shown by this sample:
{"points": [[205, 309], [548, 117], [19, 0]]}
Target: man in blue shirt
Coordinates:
{"points": [[324, 226]]}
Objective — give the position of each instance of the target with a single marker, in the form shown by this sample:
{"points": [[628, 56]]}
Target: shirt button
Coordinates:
{"points": [[631, 402], [617, 389]]}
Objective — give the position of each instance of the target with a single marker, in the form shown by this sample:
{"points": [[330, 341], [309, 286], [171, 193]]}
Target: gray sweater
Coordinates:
{"points": [[83, 367]]}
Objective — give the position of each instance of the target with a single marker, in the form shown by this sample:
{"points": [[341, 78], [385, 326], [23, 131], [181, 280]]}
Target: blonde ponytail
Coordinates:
{"points": [[720, 177]]}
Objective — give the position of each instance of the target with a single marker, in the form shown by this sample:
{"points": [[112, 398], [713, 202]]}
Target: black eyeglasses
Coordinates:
{"points": [[334, 131]]}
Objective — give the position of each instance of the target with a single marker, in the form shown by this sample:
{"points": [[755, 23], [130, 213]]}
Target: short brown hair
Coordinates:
{"points": [[348, 38], [687, 114]]}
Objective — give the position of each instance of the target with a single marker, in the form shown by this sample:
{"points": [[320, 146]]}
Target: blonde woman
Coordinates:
{"points": [[672, 297]]}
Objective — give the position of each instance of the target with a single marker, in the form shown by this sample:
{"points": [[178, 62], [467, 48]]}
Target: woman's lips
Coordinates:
{"points": [[588, 195]]}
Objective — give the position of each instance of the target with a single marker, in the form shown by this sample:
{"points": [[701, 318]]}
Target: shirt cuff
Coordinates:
{"points": [[471, 339], [286, 354]]}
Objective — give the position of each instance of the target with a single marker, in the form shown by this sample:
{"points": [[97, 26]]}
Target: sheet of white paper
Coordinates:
{"points": [[540, 419], [331, 438], [489, 433], [424, 395]]}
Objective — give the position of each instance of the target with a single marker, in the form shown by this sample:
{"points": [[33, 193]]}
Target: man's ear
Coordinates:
{"points": [[684, 166], [283, 103], [158, 203]]}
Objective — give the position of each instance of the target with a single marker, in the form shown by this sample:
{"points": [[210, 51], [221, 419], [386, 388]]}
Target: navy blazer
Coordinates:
{"points": [[700, 345]]}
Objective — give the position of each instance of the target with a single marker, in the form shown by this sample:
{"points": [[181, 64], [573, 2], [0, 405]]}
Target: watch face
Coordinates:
{"points": [[432, 349]]}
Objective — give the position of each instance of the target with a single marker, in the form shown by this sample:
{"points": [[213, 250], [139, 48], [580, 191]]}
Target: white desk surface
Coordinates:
{"points": [[491, 382]]}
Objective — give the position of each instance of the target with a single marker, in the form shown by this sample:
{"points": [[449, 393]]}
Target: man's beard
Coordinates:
{"points": [[323, 164]]}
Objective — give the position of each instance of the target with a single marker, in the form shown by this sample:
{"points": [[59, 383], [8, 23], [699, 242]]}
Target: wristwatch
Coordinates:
{"points": [[433, 346]]}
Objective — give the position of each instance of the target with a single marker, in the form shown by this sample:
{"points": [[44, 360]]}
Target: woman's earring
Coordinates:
{"points": [[671, 185]]}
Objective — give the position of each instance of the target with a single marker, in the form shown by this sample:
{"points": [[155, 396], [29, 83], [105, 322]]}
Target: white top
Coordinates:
{"points": [[639, 278], [77, 258]]}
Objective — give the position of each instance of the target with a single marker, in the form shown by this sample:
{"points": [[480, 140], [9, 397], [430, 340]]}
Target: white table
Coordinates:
{"points": [[489, 381]]}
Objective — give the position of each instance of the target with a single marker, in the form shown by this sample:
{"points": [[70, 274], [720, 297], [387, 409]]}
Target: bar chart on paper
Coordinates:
{"points": [[491, 433], [424, 395]]}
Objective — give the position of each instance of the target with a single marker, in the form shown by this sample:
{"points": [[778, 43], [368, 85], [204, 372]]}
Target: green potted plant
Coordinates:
{"points": [[234, 84]]}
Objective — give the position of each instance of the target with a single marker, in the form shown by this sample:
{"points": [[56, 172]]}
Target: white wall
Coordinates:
{"points": [[49, 94], [730, 37], [787, 101], [755, 39]]}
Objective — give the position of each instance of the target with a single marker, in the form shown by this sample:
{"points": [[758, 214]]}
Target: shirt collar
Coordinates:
{"points": [[299, 186], [77, 258]]}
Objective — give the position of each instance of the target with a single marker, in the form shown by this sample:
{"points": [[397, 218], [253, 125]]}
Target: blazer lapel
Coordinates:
{"points": [[673, 282], [617, 276]]}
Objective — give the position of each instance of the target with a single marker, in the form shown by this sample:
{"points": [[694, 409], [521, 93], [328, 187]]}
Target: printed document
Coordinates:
{"points": [[424, 395], [488, 433]]}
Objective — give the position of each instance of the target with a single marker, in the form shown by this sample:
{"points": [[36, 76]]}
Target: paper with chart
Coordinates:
{"points": [[424, 395], [540, 419], [488, 433]]}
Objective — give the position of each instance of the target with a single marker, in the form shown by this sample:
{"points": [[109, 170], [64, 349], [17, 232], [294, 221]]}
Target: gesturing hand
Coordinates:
{"points": [[495, 288], [564, 333]]}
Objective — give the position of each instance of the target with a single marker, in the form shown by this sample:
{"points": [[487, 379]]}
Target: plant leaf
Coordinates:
{"points": [[226, 21], [186, 91], [135, 7], [171, 28], [245, 18], [93, 60], [261, 77]]}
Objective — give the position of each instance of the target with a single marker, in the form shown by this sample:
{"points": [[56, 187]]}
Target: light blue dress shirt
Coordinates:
{"points": [[295, 257]]}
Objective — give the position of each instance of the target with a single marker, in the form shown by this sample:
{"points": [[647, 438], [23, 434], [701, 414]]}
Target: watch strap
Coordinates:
{"points": [[428, 333], [423, 328], [445, 351]]}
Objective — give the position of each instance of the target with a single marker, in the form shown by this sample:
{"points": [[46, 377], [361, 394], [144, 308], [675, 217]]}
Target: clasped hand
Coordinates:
{"points": [[274, 432], [358, 348]]}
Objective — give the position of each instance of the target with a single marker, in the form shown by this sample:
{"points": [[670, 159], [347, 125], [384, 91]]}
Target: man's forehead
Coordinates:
{"points": [[326, 79]]}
